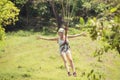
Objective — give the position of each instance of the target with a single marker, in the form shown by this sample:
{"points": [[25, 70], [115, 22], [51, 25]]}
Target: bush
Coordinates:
{"points": [[2, 33], [8, 13], [107, 31]]}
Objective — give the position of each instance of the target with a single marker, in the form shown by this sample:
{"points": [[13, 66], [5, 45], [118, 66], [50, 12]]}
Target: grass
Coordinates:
{"points": [[23, 57]]}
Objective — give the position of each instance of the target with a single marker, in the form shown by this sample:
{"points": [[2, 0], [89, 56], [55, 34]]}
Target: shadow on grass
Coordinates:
{"points": [[35, 25], [45, 31]]}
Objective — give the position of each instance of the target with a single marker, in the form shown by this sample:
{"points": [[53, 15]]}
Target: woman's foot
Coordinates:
{"points": [[69, 74], [74, 74]]}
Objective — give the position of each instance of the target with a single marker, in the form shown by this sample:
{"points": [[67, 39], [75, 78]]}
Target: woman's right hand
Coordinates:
{"points": [[66, 28]]}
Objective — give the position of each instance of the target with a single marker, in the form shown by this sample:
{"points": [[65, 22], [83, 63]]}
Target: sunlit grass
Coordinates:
{"points": [[26, 58]]}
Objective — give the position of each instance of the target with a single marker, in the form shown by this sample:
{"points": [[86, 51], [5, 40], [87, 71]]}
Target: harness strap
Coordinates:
{"points": [[65, 43], [65, 46]]}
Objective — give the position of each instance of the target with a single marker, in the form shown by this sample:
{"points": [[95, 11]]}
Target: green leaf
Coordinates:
{"points": [[113, 10], [82, 22]]}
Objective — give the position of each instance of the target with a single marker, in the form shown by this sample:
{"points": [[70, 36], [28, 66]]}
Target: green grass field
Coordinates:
{"points": [[26, 58]]}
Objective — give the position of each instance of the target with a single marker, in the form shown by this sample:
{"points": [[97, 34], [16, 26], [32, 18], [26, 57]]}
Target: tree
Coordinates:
{"points": [[64, 12]]}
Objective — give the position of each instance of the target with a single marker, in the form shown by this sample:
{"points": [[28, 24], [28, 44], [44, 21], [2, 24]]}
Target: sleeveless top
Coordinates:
{"points": [[63, 47]]}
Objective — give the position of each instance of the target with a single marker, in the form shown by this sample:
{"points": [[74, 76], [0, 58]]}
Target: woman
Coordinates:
{"points": [[65, 51], [65, 48]]}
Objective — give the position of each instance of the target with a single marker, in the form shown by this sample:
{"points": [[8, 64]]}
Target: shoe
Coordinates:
{"points": [[69, 74], [74, 74]]}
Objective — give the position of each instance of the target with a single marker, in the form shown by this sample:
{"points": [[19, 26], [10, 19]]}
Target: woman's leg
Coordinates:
{"points": [[63, 55], [69, 57]]}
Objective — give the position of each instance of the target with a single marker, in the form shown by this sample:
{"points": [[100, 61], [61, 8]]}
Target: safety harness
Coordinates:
{"points": [[65, 46]]}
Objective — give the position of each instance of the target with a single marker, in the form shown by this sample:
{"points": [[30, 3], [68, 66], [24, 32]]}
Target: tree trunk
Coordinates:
{"points": [[58, 18]]}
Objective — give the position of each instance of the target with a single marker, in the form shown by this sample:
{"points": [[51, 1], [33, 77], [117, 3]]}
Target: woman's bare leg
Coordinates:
{"points": [[63, 55], [69, 57]]}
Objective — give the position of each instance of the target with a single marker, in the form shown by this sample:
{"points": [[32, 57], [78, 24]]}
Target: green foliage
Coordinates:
{"points": [[87, 5], [19, 3], [99, 7], [73, 31], [105, 26], [2, 33], [113, 10], [2, 38], [107, 31], [8, 12], [8, 15], [82, 22], [43, 9], [22, 33], [95, 75]]}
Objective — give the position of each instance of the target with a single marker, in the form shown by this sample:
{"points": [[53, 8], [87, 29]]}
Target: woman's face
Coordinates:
{"points": [[60, 34]]}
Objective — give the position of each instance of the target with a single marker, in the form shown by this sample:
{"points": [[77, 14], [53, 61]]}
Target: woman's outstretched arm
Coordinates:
{"points": [[51, 39], [77, 35], [56, 38]]}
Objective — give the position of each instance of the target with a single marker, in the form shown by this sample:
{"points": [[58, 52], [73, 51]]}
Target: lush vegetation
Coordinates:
{"points": [[26, 58], [8, 15], [22, 20], [100, 18]]}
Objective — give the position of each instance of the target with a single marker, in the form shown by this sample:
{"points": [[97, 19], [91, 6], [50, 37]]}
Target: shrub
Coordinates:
{"points": [[107, 31], [2, 33]]}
